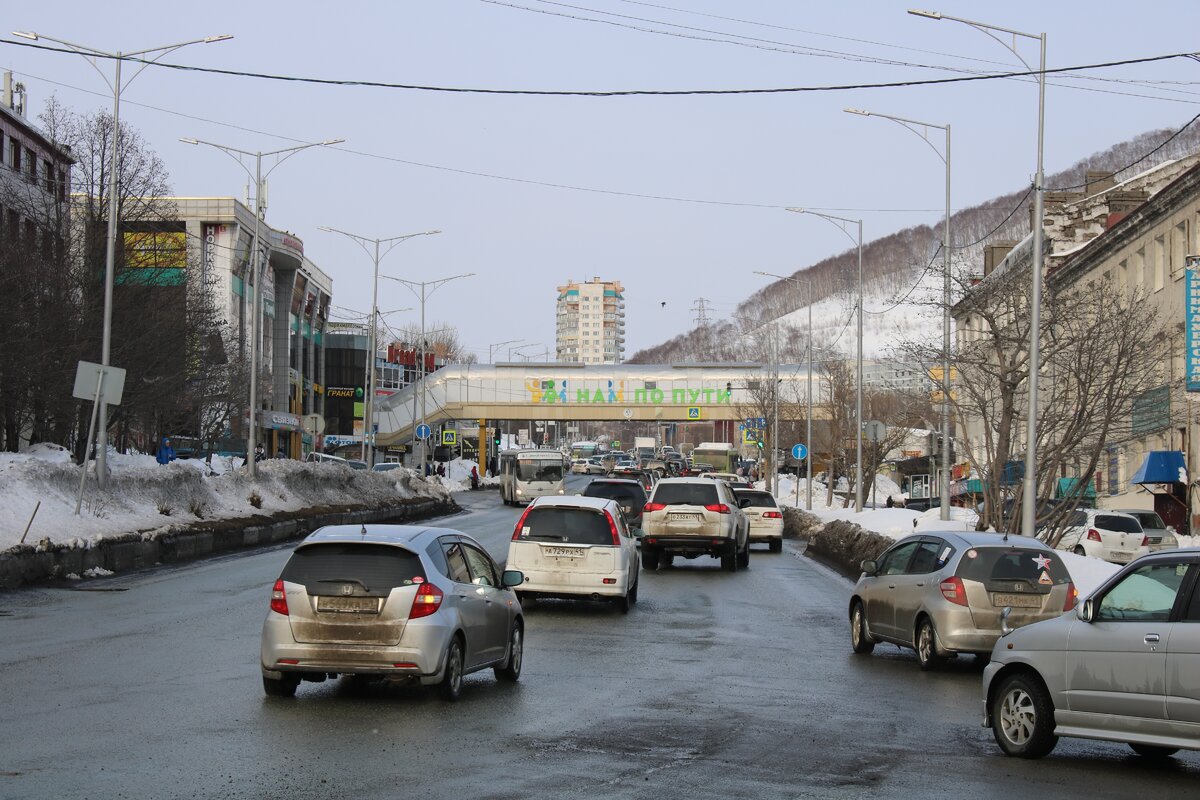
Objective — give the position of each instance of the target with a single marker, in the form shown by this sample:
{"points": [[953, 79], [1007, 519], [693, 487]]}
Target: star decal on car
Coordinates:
{"points": [[1043, 562]]}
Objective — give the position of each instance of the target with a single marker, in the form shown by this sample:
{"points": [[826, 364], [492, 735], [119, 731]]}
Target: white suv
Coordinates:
{"points": [[576, 547], [694, 517], [1110, 535], [766, 518]]}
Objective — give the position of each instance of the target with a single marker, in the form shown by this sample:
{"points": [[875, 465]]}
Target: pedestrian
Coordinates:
{"points": [[441, 470], [166, 453], [282, 452], [260, 452], [474, 477]]}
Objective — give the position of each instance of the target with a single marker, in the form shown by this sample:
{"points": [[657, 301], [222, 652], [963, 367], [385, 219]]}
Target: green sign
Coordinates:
{"points": [[616, 444], [1151, 411]]}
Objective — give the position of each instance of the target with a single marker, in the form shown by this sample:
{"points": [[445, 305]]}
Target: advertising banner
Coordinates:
{"points": [[1191, 319]]}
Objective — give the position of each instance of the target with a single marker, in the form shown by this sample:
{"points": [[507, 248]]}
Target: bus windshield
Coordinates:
{"points": [[539, 469]]}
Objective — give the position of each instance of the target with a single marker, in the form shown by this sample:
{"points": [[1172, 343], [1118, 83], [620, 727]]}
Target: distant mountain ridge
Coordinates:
{"points": [[896, 270]]}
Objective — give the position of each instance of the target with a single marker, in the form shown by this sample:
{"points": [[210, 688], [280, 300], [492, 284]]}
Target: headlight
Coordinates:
{"points": [[562, 491], [519, 491]]}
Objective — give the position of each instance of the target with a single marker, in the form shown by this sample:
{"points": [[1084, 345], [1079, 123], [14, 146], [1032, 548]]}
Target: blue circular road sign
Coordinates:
{"points": [[799, 452], [423, 431]]}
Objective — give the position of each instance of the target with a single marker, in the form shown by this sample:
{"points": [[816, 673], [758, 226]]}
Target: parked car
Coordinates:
{"points": [[734, 480], [1110, 535], [693, 517], [1122, 668], [386, 466], [766, 518], [629, 494], [409, 603], [354, 463], [1158, 535], [576, 547], [942, 593]]}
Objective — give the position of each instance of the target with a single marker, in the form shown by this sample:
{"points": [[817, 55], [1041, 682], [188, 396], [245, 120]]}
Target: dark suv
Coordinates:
{"points": [[629, 495]]}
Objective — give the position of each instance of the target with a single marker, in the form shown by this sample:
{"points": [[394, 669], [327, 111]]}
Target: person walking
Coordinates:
{"points": [[260, 452], [282, 452], [166, 453], [474, 477]]}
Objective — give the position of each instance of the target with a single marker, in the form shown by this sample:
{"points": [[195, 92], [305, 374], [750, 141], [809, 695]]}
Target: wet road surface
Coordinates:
{"points": [[715, 684]]}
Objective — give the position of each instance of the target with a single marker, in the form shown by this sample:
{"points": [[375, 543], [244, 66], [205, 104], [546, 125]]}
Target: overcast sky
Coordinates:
{"points": [[475, 166]]}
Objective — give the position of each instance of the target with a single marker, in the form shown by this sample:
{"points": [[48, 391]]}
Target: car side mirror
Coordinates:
{"points": [[870, 567], [512, 577], [1085, 610]]}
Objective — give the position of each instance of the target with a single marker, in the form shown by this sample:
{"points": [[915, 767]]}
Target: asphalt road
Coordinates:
{"points": [[715, 684]]}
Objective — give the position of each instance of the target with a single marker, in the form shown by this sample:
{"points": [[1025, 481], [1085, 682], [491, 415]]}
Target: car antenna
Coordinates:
{"points": [[363, 532]]}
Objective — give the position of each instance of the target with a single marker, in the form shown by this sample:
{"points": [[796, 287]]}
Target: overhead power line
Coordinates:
{"points": [[701, 308]]}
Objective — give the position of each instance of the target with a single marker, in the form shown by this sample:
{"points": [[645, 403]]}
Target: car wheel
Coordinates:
{"points": [[743, 561], [860, 641], [777, 545], [1153, 751], [622, 603], [511, 670], [927, 654], [1023, 717], [649, 559], [667, 560], [1079, 551], [451, 685], [729, 561], [280, 687], [633, 593]]}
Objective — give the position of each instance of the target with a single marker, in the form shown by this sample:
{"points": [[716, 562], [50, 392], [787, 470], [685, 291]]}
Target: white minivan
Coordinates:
{"points": [[575, 547]]}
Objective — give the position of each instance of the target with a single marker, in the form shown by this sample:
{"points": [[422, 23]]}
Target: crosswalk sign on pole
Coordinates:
{"points": [[693, 412], [450, 437]]}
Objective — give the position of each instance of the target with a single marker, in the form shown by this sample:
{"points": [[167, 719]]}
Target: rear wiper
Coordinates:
{"points": [[345, 580]]}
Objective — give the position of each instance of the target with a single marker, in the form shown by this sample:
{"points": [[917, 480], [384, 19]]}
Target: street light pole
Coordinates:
{"points": [[840, 223], [368, 450], [808, 388], [944, 461], [255, 267], [1029, 481], [424, 293], [114, 205]]}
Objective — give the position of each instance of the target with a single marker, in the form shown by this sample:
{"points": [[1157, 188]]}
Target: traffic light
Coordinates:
{"points": [[760, 444], [496, 439]]}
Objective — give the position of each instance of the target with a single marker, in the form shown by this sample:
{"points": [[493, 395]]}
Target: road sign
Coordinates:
{"points": [[799, 452], [627, 413], [752, 436], [87, 376], [756, 422], [616, 444], [450, 437], [693, 412], [874, 430], [423, 431]]}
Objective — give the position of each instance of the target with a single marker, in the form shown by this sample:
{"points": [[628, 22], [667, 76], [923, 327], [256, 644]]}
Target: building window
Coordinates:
{"points": [[1160, 263], [31, 159], [14, 150]]}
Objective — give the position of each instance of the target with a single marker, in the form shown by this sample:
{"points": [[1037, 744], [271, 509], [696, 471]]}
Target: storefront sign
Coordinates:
{"points": [[350, 392], [1151, 411], [279, 421], [1191, 319], [560, 391]]}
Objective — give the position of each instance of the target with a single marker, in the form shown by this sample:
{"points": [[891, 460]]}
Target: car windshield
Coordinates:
{"points": [[621, 492], [748, 499], [571, 525], [374, 568], [536, 469], [685, 494], [1111, 522], [987, 564]]}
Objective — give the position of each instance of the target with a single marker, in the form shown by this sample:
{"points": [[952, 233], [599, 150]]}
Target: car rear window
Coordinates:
{"points": [[616, 491], [1149, 519], [572, 525], [755, 499], [1111, 522], [1005, 564], [685, 494], [375, 569]]}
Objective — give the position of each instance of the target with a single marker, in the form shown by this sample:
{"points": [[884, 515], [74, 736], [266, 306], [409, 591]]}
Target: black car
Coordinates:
{"points": [[628, 494]]}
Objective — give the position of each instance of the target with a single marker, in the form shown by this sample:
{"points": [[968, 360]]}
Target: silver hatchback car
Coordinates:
{"points": [[409, 604], [942, 593], [1125, 667]]}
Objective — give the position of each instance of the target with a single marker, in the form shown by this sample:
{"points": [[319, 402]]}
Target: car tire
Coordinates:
{"points": [[926, 646], [1023, 717], [510, 670], [1079, 551], [649, 559], [667, 560], [280, 687], [622, 603], [633, 593], [777, 545], [1153, 751], [744, 557], [451, 686], [729, 561], [860, 640]]}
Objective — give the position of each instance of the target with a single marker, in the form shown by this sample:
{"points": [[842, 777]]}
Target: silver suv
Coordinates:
{"points": [[1125, 667], [693, 517], [942, 593], [408, 604]]}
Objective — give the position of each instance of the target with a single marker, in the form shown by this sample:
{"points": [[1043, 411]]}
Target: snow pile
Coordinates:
{"points": [[144, 495], [458, 476]]}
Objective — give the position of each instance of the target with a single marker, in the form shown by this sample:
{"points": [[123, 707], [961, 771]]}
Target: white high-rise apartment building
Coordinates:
{"points": [[590, 322]]}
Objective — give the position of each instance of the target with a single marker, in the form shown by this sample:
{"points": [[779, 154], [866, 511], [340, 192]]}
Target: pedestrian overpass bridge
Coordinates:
{"points": [[583, 392]]}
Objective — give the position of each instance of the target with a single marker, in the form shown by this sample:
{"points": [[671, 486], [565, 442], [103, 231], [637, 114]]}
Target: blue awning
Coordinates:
{"points": [[1162, 466]]}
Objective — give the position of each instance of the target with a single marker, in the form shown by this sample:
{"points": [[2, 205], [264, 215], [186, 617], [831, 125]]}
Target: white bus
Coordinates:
{"points": [[528, 474]]}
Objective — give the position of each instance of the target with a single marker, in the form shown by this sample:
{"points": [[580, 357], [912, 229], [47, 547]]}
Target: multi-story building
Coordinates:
{"points": [[590, 322]]}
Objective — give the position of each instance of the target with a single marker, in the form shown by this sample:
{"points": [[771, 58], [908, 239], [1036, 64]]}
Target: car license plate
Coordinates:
{"points": [[1121, 555], [1017, 600], [348, 605], [685, 517], [562, 552]]}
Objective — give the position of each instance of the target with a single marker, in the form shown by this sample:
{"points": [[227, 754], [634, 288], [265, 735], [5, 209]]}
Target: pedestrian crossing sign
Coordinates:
{"points": [[693, 412], [449, 437]]}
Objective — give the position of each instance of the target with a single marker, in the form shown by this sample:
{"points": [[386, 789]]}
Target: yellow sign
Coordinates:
{"points": [[751, 436], [156, 249], [449, 437]]}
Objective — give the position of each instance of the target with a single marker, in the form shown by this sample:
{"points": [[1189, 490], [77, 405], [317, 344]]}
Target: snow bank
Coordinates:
{"points": [[144, 495]]}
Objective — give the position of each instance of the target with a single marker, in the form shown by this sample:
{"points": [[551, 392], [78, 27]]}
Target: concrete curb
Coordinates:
{"points": [[26, 564]]}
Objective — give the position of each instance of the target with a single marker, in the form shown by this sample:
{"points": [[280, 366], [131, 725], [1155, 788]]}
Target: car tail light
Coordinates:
{"points": [[427, 601], [720, 508], [1145, 541], [612, 527], [279, 599], [954, 591], [1093, 535], [521, 523], [654, 506], [1072, 596], [772, 515]]}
